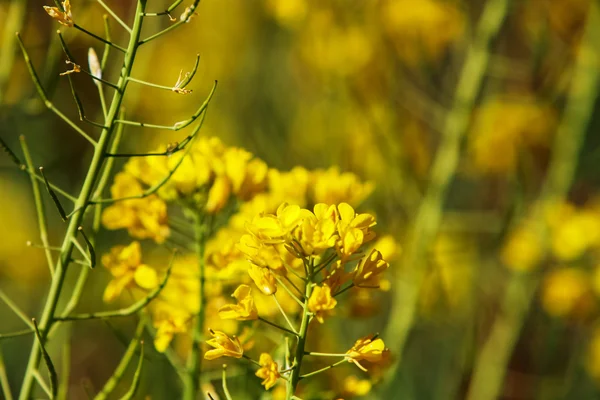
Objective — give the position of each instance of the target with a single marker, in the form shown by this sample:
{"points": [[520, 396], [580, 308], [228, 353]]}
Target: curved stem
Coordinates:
{"points": [[83, 200]]}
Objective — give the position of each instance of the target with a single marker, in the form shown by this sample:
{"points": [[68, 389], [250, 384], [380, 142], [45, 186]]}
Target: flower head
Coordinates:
{"points": [[353, 229], [269, 371], [168, 322], [263, 278], [244, 310], [367, 348], [62, 17], [125, 265], [224, 346], [321, 301], [369, 268]]}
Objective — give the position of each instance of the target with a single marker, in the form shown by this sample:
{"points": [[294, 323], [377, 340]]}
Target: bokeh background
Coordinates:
{"points": [[506, 288]]}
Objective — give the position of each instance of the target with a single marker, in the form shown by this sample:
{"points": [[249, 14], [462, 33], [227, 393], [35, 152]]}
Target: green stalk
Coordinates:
{"points": [[81, 204], [426, 222], [191, 381], [492, 361], [297, 362]]}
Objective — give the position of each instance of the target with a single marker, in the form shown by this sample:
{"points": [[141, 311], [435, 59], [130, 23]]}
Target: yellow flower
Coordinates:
{"points": [[367, 348], [356, 387], [244, 310], [575, 233], [522, 252], [321, 301], [353, 230], [64, 18], [332, 187], [263, 278], [167, 325], [143, 218], [369, 269], [336, 276], [290, 186], [269, 371], [508, 126], [125, 265], [566, 291], [261, 254], [318, 232], [218, 195], [224, 346], [423, 30]]}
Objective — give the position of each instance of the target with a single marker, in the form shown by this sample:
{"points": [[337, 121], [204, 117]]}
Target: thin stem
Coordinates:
{"points": [[106, 52], [154, 85], [313, 353], [287, 319], [194, 366], [16, 334], [39, 206], [115, 16], [83, 200], [322, 369], [344, 289], [428, 216], [127, 311], [42, 93], [82, 251], [287, 289], [251, 360], [277, 326], [167, 11], [53, 186], [224, 380], [40, 380], [135, 383], [293, 285], [116, 46], [119, 371], [150, 191], [19, 313], [299, 355], [4, 378]]}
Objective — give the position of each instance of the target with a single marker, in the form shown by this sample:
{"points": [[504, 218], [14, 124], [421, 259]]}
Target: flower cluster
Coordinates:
{"points": [[314, 256]]}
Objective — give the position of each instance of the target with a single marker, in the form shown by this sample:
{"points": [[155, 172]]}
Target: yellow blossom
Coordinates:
{"points": [[332, 187], [318, 232], [263, 278], [168, 324], [125, 265], [218, 195], [522, 251], [336, 276], [574, 234], [367, 348], [566, 291], [353, 230], [269, 371], [62, 17], [244, 310], [369, 268], [321, 301], [423, 30], [224, 346], [356, 387], [144, 218]]}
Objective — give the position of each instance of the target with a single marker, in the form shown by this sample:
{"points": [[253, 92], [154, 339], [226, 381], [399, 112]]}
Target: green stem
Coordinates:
{"points": [[323, 369], [297, 362], [83, 200], [4, 378], [492, 361], [428, 216], [194, 365], [117, 375]]}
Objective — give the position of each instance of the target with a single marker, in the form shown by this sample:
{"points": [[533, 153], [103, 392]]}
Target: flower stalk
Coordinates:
{"points": [[83, 200]]}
